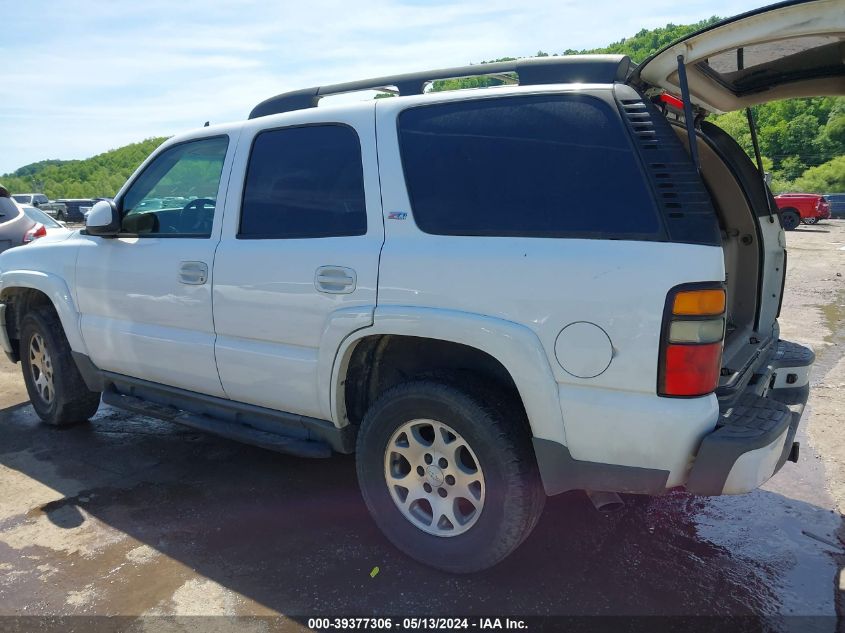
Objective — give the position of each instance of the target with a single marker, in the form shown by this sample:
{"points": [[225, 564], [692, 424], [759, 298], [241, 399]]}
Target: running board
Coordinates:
{"points": [[229, 430]]}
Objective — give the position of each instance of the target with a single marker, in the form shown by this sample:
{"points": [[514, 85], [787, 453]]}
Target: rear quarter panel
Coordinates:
{"points": [[546, 284]]}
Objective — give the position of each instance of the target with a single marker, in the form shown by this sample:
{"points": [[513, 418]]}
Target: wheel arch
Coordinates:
{"points": [[23, 290], [508, 345]]}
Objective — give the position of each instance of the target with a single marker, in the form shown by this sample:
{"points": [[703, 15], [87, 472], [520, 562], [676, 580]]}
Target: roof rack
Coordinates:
{"points": [[531, 71]]}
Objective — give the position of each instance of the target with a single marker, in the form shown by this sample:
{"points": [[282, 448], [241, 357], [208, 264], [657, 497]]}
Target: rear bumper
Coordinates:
{"points": [[756, 431]]}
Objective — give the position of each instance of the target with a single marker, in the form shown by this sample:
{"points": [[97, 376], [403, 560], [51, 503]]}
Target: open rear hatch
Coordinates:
{"points": [[791, 49]]}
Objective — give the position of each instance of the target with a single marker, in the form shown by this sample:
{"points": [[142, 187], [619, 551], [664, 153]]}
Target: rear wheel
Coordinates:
{"points": [[810, 220], [790, 219], [448, 473], [56, 389]]}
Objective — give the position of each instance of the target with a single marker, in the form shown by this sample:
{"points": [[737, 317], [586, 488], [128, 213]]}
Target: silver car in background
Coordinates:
{"points": [[14, 223], [45, 225]]}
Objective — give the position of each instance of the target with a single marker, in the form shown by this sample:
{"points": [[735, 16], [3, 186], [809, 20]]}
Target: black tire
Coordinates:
{"points": [[790, 219], [497, 431], [810, 220], [71, 401]]}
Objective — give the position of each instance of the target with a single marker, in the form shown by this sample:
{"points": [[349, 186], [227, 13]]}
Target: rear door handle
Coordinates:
{"points": [[193, 273], [335, 280]]}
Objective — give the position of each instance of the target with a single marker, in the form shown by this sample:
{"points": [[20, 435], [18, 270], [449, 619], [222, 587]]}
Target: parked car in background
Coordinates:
{"points": [[45, 225], [34, 199], [75, 209], [41, 201], [797, 208], [15, 225], [837, 204]]}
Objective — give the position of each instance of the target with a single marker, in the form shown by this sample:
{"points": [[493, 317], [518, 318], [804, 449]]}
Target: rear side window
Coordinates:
{"points": [[533, 166], [304, 182]]}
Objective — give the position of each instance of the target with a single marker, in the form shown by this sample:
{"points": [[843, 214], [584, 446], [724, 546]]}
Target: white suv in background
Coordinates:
{"points": [[488, 295]]}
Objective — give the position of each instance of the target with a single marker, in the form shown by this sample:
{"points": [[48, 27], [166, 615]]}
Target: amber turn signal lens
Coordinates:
{"points": [[699, 302]]}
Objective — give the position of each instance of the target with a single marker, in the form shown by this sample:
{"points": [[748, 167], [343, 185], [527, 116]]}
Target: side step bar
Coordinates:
{"points": [[230, 430]]}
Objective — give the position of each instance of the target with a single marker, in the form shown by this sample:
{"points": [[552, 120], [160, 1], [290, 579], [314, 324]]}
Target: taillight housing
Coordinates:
{"points": [[39, 230], [692, 338]]}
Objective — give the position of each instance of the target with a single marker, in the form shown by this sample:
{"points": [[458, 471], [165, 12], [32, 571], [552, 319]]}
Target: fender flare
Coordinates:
{"points": [[59, 294], [515, 346]]}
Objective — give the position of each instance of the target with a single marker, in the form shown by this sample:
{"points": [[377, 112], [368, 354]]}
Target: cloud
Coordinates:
{"points": [[82, 77]]}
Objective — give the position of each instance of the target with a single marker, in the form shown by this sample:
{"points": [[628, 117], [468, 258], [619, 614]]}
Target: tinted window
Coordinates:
{"points": [[304, 182], [176, 194], [538, 166]]}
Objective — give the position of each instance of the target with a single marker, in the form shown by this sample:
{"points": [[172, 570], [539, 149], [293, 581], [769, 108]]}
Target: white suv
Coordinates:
{"points": [[489, 295]]}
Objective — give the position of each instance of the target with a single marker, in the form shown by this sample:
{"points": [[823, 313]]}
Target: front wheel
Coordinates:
{"points": [[449, 474], [789, 219], [55, 387]]}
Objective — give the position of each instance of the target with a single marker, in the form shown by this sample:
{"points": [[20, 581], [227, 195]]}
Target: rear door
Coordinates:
{"points": [[789, 50], [792, 49], [297, 268]]}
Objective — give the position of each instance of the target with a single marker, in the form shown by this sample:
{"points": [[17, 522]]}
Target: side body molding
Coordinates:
{"points": [[57, 290], [515, 346]]}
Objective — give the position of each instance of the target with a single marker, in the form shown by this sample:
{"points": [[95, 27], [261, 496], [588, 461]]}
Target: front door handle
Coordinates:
{"points": [[193, 273], [335, 280]]}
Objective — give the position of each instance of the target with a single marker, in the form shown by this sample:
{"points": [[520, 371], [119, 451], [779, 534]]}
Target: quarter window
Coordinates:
{"points": [[176, 195], [533, 166], [304, 182]]}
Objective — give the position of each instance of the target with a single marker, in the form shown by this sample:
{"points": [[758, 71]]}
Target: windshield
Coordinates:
{"points": [[36, 215]]}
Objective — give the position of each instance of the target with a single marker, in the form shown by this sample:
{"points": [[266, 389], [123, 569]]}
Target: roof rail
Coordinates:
{"points": [[603, 69]]}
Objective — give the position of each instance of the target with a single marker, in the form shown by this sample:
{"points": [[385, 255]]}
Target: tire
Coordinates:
{"points": [[507, 495], [810, 220], [55, 387], [790, 219]]}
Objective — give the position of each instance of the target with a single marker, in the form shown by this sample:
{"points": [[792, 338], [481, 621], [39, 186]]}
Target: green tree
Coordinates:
{"points": [[826, 178]]}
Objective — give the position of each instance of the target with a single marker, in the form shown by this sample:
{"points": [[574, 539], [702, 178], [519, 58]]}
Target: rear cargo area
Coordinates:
{"points": [[754, 257]]}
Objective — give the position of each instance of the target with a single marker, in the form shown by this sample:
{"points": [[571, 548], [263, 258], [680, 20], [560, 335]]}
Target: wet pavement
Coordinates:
{"points": [[129, 515]]}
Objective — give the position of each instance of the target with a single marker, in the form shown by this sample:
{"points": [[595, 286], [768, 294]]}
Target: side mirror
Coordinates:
{"points": [[103, 219]]}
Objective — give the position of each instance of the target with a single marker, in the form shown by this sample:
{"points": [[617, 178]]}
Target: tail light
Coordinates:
{"points": [[692, 339], [39, 230]]}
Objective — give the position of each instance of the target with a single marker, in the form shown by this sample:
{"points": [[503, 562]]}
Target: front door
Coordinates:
{"points": [[145, 296]]}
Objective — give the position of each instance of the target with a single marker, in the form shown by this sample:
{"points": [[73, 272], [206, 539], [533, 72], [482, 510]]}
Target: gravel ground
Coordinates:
{"points": [[136, 517]]}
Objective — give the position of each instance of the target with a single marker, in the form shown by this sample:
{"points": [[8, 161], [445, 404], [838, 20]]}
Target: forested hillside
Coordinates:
{"points": [[802, 140], [101, 175]]}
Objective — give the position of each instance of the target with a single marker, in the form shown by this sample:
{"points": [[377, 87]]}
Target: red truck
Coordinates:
{"points": [[796, 208]]}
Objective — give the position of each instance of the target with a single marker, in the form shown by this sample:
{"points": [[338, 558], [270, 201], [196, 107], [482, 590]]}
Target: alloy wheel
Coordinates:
{"points": [[434, 477], [41, 368]]}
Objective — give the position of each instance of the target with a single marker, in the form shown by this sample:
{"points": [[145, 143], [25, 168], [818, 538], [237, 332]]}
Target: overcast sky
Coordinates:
{"points": [[80, 78]]}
